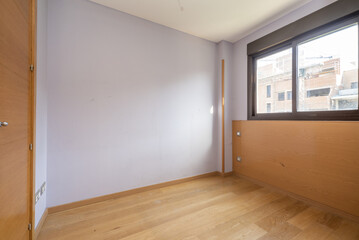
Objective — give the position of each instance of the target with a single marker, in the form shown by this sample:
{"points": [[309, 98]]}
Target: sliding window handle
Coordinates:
{"points": [[4, 124]]}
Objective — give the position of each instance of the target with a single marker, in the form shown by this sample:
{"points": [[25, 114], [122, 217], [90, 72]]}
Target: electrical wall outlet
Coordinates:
{"points": [[37, 196], [39, 192], [43, 188]]}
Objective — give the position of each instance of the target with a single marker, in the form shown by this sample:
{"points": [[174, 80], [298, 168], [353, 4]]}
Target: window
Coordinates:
{"points": [[326, 59], [318, 92], [281, 96], [313, 75], [289, 95], [269, 74], [269, 91]]}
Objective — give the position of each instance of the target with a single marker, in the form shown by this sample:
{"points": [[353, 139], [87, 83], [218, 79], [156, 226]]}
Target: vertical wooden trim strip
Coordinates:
{"points": [[223, 169], [32, 115]]}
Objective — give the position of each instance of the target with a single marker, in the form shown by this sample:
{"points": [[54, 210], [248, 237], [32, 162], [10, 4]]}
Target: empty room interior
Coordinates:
{"points": [[179, 120]]}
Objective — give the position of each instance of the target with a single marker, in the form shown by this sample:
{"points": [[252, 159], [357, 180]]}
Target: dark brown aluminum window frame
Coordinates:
{"points": [[348, 115]]}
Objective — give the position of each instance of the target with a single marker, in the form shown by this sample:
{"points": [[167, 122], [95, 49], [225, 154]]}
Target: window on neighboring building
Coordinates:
{"points": [[354, 85], [321, 83], [269, 91], [318, 92], [289, 95], [281, 96]]}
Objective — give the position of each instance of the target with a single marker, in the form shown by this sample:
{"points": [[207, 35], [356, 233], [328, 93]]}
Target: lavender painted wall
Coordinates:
{"points": [[128, 102], [41, 107]]}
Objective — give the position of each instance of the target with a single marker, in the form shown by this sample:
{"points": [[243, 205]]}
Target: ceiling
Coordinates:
{"points": [[214, 20]]}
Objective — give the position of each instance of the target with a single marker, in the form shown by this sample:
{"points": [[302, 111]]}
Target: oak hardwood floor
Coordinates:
{"points": [[213, 208]]}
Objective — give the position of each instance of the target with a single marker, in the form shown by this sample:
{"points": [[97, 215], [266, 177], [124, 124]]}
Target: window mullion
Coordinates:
{"points": [[294, 77]]}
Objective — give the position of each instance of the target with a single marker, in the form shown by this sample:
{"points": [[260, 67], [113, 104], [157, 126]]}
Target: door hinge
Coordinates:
{"points": [[29, 227], [32, 67], [30, 146]]}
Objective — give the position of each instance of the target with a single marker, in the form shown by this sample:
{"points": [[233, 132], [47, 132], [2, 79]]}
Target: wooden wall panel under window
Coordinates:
{"points": [[314, 159]]}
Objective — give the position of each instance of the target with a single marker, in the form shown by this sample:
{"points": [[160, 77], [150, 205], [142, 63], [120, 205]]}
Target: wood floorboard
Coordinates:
{"points": [[213, 208]]}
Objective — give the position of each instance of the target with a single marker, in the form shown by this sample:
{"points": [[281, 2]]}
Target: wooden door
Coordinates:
{"points": [[15, 109]]}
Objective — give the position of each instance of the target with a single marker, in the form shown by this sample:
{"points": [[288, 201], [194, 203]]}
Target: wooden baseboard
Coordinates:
{"points": [[301, 198], [126, 193], [40, 224], [227, 174]]}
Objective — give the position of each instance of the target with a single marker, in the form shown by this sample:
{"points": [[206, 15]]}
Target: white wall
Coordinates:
{"points": [[238, 97], [128, 102], [41, 107]]}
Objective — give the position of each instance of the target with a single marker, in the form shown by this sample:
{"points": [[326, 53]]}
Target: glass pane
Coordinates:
{"points": [[274, 79], [328, 71]]}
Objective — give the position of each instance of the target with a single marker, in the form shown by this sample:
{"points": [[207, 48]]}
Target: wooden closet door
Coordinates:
{"points": [[15, 112]]}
